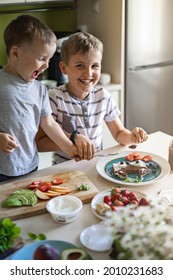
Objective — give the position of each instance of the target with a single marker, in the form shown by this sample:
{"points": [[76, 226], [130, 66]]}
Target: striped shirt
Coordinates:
{"points": [[86, 116]]}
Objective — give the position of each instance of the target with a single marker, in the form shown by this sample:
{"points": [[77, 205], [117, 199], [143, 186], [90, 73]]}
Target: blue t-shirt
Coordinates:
{"points": [[22, 104]]}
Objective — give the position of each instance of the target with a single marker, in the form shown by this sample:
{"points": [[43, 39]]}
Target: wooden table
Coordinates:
{"points": [[157, 143]]}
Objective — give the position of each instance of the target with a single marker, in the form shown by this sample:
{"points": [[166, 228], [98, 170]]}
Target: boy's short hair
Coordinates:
{"points": [[27, 28], [79, 42]]}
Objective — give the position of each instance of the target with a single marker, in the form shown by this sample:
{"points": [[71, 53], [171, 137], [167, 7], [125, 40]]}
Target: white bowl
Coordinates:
{"points": [[64, 209]]}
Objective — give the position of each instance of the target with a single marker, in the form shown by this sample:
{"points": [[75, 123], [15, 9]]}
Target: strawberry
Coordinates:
{"points": [[116, 196], [134, 202], [132, 196], [124, 200], [57, 181], [138, 158], [118, 203], [44, 186], [130, 157], [31, 186], [107, 199], [124, 192], [36, 183], [143, 201], [147, 158], [113, 208], [136, 154], [116, 190]]}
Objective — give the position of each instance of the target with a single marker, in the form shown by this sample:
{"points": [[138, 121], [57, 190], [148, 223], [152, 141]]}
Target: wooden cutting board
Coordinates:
{"points": [[72, 179]]}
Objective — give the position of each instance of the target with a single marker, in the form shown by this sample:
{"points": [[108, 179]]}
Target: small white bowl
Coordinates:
{"points": [[64, 209]]}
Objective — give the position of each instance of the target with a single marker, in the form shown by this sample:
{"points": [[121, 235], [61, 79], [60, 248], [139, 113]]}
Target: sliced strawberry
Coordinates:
{"points": [[57, 181], [147, 158], [138, 158], [136, 154], [37, 183], [45, 186], [130, 157], [31, 186]]}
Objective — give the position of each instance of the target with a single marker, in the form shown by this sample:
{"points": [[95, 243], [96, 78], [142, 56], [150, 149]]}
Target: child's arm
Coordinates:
{"points": [[7, 143], [125, 136], [53, 139], [56, 134], [44, 143]]}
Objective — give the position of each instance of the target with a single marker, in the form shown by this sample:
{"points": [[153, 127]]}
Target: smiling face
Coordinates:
{"points": [[29, 60], [83, 71]]}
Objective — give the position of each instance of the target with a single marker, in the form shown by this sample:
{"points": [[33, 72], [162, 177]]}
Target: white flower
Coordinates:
{"points": [[142, 232]]}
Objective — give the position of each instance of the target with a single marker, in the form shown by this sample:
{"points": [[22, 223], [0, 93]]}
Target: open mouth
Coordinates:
{"points": [[35, 74]]}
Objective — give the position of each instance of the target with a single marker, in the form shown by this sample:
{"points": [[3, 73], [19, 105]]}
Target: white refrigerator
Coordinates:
{"points": [[149, 65]]}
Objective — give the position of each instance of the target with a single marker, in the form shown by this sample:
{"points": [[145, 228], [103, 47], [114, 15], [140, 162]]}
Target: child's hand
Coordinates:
{"points": [[73, 152], [85, 147], [7, 143], [138, 135]]}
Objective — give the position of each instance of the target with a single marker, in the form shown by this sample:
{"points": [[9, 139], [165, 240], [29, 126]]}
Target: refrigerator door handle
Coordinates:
{"points": [[154, 65]]}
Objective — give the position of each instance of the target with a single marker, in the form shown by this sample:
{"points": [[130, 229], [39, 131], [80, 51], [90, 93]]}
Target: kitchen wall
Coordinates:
{"points": [[59, 19], [104, 19]]}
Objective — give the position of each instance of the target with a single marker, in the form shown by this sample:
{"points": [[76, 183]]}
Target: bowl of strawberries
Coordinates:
{"points": [[112, 199]]}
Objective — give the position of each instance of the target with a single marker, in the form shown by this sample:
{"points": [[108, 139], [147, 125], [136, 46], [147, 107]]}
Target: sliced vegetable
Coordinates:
{"points": [[83, 187], [20, 198]]}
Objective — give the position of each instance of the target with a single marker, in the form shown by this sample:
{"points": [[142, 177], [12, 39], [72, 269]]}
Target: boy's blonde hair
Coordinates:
{"points": [[27, 28], [79, 42]]}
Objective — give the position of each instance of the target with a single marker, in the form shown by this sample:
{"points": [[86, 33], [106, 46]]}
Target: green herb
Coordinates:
{"points": [[34, 236], [8, 233], [138, 179], [83, 188]]}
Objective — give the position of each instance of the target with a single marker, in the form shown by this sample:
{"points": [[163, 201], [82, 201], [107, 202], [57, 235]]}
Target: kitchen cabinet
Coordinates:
{"points": [[115, 91]]}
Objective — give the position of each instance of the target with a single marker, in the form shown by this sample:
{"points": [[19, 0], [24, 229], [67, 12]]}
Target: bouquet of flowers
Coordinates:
{"points": [[144, 232]]}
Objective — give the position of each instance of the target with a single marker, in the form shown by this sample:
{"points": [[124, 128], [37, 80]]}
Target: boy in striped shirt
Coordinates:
{"points": [[80, 107]]}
